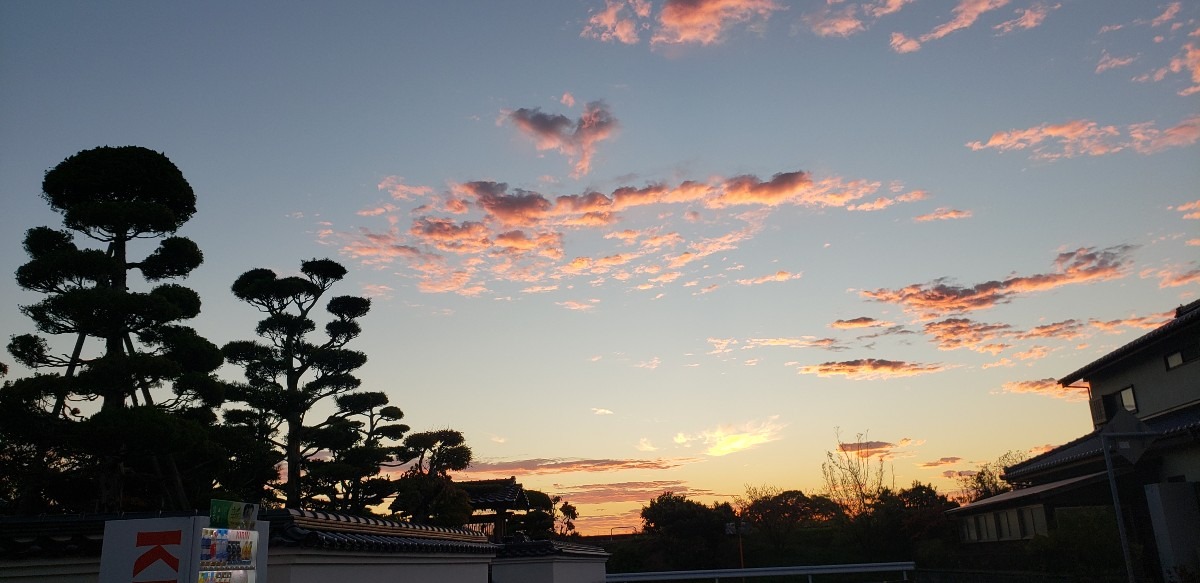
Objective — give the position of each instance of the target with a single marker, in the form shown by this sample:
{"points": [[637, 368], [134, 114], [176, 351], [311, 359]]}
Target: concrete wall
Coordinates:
{"points": [[552, 569], [319, 566], [67, 570]]}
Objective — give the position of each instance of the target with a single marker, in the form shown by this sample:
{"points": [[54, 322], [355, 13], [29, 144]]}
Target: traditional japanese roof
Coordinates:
{"points": [[331, 530], [501, 494], [549, 548], [1184, 315], [1181, 423]]}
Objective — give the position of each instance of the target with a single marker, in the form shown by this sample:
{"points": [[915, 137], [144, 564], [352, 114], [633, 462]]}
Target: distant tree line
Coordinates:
{"points": [[132, 416]]}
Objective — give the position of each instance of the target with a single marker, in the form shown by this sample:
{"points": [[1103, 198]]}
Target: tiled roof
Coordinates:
{"points": [[331, 530], [549, 548], [504, 493], [1024, 494], [1088, 446], [1184, 315]]}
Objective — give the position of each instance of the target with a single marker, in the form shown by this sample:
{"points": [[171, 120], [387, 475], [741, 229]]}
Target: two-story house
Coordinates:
{"points": [[1149, 386]]}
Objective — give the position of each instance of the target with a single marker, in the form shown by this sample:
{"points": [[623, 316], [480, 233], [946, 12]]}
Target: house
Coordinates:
{"points": [[1144, 402]]}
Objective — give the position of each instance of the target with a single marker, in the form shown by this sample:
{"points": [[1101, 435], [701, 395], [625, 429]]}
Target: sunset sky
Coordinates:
{"points": [[631, 246]]}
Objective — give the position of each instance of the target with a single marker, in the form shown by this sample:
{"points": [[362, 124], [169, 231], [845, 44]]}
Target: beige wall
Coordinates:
{"points": [[554, 569]]}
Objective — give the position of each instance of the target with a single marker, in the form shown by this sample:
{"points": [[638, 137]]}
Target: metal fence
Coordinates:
{"points": [[903, 569]]}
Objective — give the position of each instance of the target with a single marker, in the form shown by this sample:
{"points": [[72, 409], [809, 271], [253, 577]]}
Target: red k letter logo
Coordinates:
{"points": [[156, 540]]}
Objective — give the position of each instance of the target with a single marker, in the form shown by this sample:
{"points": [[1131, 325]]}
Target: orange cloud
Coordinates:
{"points": [[579, 306], [860, 322], [575, 139], [1034, 353], [1191, 210], [778, 276], [1168, 14], [946, 461], [955, 333], [704, 21], [903, 44], [1047, 387], [1142, 322], [943, 214], [835, 21], [1149, 140], [446, 235], [933, 299], [881, 449], [1173, 278], [871, 369]]}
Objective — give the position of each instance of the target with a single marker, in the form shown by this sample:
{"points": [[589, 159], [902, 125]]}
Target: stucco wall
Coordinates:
{"points": [[556, 569], [68, 570], [317, 566]]}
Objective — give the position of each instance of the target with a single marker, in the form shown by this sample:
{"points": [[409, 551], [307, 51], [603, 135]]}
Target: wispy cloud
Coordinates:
{"points": [[778, 276], [600, 411], [837, 19], [644, 444], [623, 491], [1027, 18], [860, 322], [1087, 138], [575, 139], [964, 15], [542, 466], [955, 333], [579, 306], [1109, 62], [871, 369], [945, 461], [1084, 265], [880, 449], [726, 439], [943, 214], [1046, 387]]}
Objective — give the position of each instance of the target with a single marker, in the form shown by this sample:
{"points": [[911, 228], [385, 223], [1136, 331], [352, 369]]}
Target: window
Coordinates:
{"points": [[1183, 356], [1128, 400]]}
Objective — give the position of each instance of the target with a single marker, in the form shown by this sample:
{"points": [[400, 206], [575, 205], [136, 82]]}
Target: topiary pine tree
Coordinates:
{"points": [[287, 373], [127, 451]]}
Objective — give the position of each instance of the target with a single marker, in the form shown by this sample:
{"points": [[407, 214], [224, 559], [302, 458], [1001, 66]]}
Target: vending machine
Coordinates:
{"points": [[227, 546]]}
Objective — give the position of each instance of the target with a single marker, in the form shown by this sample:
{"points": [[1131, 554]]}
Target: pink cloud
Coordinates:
{"points": [[955, 333], [1176, 278], [545, 466], [903, 44], [1031, 17], [1140, 322], [567, 99], [965, 15], [622, 491], [575, 139], [1046, 387], [1065, 330], [943, 214], [394, 185], [1087, 138], [841, 21], [1034, 353], [1168, 15], [871, 369], [1084, 265], [1108, 62], [704, 21], [612, 24], [579, 306]]}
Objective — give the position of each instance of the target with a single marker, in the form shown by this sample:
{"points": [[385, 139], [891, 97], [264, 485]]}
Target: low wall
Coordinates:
{"points": [[321, 566], [552, 569]]}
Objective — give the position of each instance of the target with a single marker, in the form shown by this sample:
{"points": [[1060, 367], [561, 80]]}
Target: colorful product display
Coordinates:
{"points": [[227, 555]]}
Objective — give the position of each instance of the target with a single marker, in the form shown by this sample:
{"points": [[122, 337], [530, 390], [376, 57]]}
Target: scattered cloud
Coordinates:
{"points": [[1175, 276], [617, 22], [955, 333], [964, 15], [1109, 62], [1087, 138], [644, 444], [880, 449], [726, 439], [1064, 330], [599, 411], [871, 369], [1046, 387], [937, 298], [575, 139], [579, 306], [1191, 210]]}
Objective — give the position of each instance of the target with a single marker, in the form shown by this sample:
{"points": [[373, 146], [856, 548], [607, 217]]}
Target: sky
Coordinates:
{"points": [[636, 246]]}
